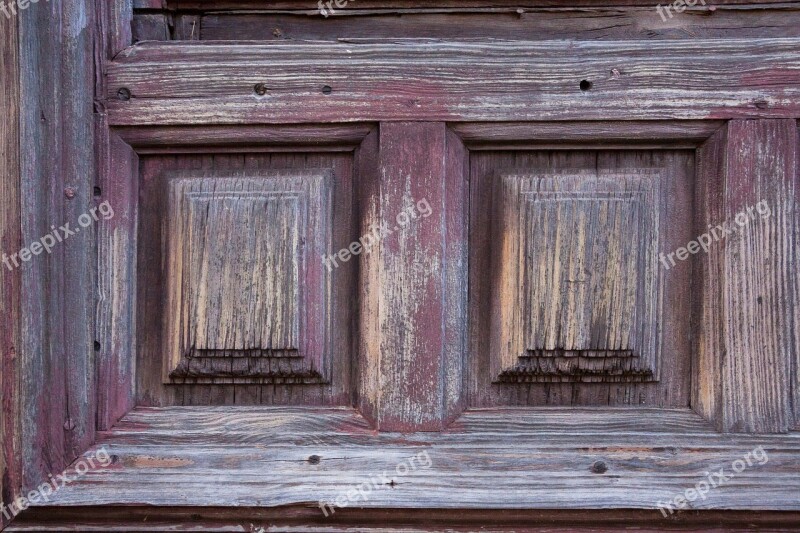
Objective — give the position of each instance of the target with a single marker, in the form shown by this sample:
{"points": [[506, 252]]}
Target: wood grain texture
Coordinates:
{"points": [[796, 280], [150, 27], [251, 139], [413, 299], [117, 16], [115, 321], [149, 4], [56, 356], [604, 22], [302, 5], [306, 518], [327, 339], [74, 272], [187, 27], [493, 289], [248, 291], [482, 136], [578, 282], [480, 81], [487, 460], [10, 242], [748, 311], [117, 179], [709, 341]]}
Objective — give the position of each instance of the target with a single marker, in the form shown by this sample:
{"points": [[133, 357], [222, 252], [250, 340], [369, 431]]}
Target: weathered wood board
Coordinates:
{"points": [[178, 83]]}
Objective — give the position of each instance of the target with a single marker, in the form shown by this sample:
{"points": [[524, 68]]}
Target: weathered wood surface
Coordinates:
{"points": [[57, 382], [249, 139], [306, 518], [796, 281], [115, 18], [150, 27], [186, 27], [248, 290], [708, 343], [117, 170], [10, 242], [302, 5], [115, 317], [578, 284], [585, 134], [534, 24], [507, 459], [488, 266], [175, 83], [149, 4], [152, 285], [748, 312], [413, 299]]}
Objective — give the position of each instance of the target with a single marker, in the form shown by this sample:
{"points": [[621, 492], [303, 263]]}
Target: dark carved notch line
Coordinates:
{"points": [[585, 366]]}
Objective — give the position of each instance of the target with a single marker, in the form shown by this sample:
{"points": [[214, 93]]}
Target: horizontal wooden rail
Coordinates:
{"points": [[206, 83]]}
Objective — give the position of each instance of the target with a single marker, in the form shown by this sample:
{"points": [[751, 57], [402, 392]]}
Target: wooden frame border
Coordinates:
{"points": [[399, 520], [117, 243], [47, 305], [796, 368], [555, 458], [53, 439], [476, 136], [10, 280], [388, 20], [301, 5], [727, 167], [720, 79], [746, 347]]}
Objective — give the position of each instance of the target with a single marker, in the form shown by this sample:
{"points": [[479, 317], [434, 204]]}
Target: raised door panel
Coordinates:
{"points": [[236, 305], [248, 297], [572, 298], [580, 286]]}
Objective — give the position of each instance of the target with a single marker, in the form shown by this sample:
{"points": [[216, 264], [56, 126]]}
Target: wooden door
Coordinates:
{"points": [[385, 266]]}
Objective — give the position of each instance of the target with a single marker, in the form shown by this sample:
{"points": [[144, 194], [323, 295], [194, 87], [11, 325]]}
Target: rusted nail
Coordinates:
{"points": [[327, 89], [314, 459], [124, 94], [277, 33], [69, 192], [261, 89], [599, 467]]}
